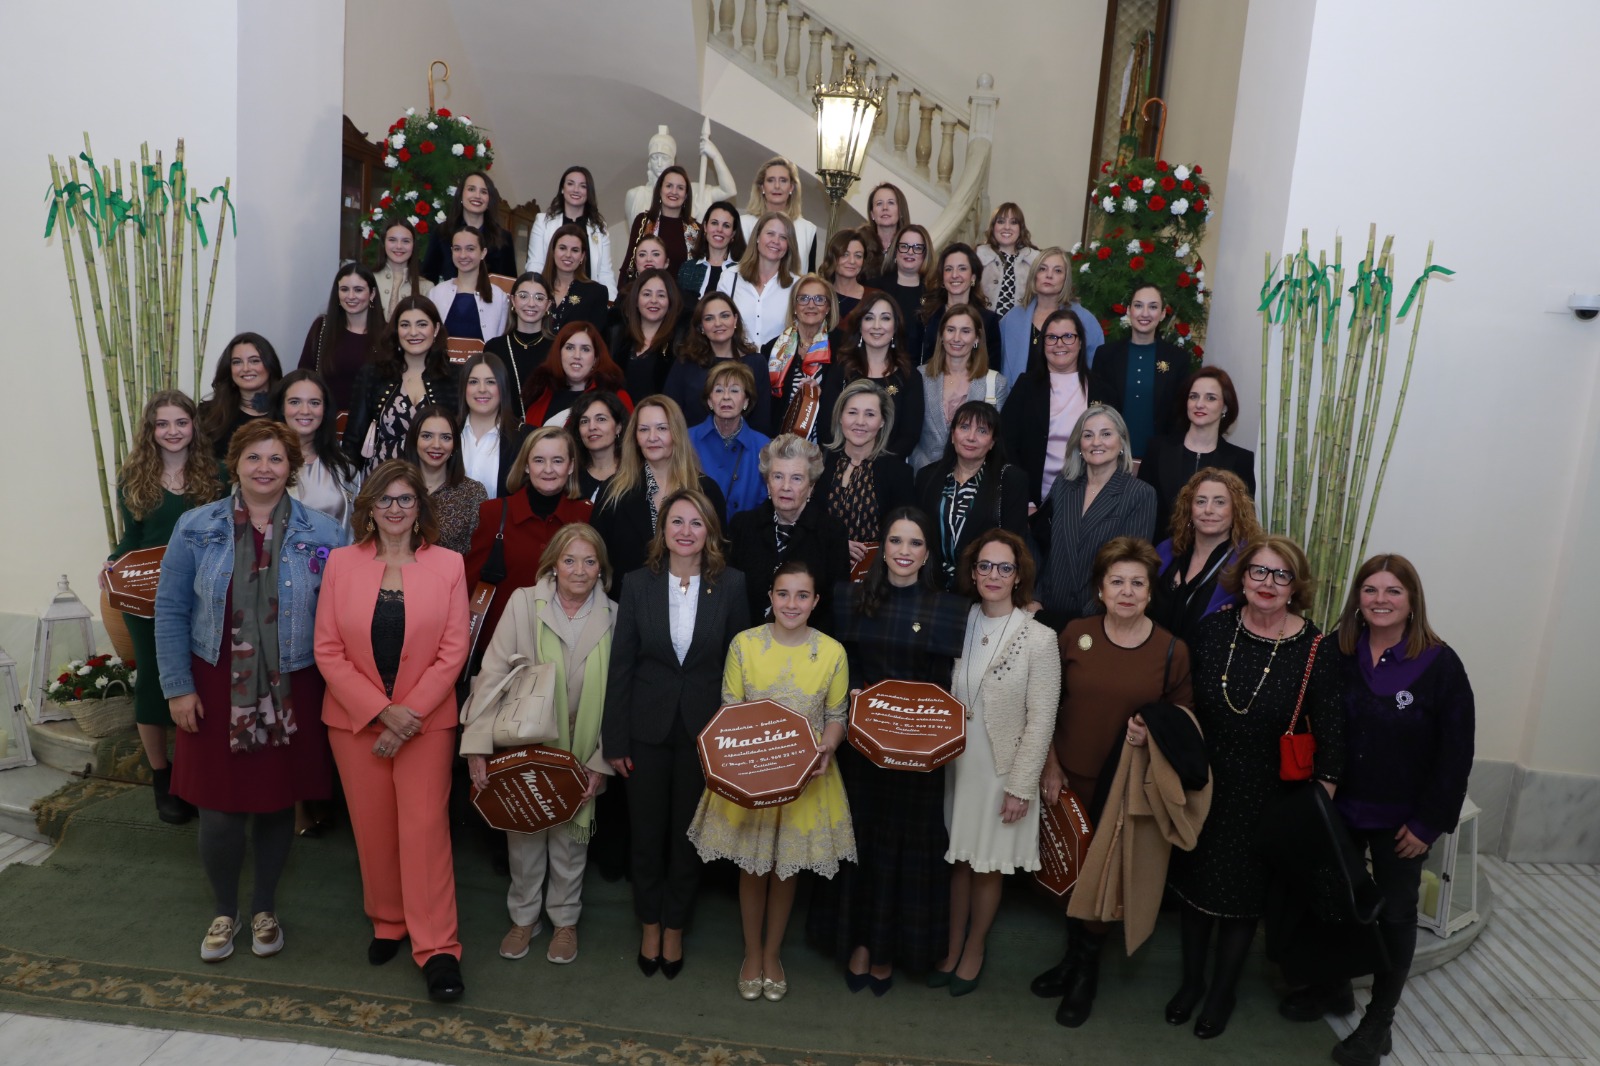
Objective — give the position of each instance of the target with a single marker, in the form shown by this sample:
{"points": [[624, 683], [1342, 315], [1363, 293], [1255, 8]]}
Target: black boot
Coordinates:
{"points": [[1309, 1004], [1052, 984], [1196, 941], [1078, 999], [1371, 1041], [169, 808], [1233, 950]]}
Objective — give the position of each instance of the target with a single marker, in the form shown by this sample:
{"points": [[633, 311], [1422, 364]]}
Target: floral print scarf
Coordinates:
{"points": [[262, 712]]}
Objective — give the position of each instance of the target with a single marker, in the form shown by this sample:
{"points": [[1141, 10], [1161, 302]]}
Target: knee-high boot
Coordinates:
{"points": [[1233, 950]]}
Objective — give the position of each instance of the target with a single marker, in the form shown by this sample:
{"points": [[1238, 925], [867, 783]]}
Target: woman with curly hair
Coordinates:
{"points": [[1213, 519]]}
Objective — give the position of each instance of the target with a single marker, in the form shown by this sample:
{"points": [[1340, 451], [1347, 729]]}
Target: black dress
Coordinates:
{"points": [[896, 898], [522, 353], [1224, 875]]}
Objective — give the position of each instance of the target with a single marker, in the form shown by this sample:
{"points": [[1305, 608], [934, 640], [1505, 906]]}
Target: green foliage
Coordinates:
{"points": [[92, 679], [428, 157]]}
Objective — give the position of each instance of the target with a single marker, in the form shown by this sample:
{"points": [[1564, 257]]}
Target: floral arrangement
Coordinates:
{"points": [[429, 155], [89, 679], [1146, 221]]}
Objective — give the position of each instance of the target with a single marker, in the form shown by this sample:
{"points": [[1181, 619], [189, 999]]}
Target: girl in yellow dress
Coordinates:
{"points": [[790, 663]]}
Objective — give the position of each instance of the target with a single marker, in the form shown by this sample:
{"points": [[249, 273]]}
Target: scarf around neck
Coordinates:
{"points": [[262, 712]]}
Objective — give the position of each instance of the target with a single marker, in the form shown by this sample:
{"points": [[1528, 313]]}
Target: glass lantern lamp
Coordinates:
{"points": [[15, 748], [1449, 897], [65, 632], [846, 110]]}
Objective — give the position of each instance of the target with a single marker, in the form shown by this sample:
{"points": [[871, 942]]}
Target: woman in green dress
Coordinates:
{"points": [[169, 470]]}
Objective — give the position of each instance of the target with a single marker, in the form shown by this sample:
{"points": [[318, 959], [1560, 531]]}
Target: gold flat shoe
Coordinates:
{"points": [[750, 989], [774, 990]]}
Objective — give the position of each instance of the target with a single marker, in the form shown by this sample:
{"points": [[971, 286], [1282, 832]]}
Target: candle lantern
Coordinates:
{"points": [[65, 633], [1449, 898], [15, 749]]}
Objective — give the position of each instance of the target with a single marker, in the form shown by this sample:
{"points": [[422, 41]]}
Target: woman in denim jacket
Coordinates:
{"points": [[248, 708]]}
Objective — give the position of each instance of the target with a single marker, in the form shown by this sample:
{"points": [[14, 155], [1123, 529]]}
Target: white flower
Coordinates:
{"points": [[1149, 185], [1209, 213], [411, 111], [456, 149], [55, 686], [1130, 204], [412, 195], [1181, 341], [1108, 205], [1179, 206], [1094, 245], [1182, 252], [377, 212], [366, 231], [1077, 247], [1201, 273], [411, 219], [437, 206], [1135, 248], [74, 664], [465, 121], [115, 660], [101, 682], [451, 191], [84, 671], [433, 125], [1084, 269], [133, 677], [1180, 172], [391, 161], [397, 141], [1123, 320], [1199, 297]]}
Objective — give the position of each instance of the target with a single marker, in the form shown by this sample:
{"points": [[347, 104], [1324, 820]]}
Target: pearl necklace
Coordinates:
{"points": [[1264, 670]]}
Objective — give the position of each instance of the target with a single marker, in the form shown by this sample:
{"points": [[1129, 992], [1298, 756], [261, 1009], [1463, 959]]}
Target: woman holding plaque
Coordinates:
{"points": [[892, 908], [168, 471], [791, 663], [1009, 677], [565, 620]]}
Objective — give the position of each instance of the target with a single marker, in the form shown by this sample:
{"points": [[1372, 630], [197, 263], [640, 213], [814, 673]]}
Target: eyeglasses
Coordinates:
{"points": [[985, 566], [405, 502], [813, 299], [1261, 573], [1058, 340], [914, 249]]}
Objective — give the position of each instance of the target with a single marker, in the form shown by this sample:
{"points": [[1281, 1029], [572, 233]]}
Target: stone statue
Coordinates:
{"points": [[664, 153]]}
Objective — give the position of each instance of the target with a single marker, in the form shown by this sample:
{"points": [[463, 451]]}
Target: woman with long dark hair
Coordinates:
{"points": [[958, 373], [716, 331], [642, 343], [328, 479], [971, 489], [887, 212], [1046, 403], [574, 204], [598, 422], [844, 268], [955, 282], [401, 272], [411, 370], [241, 388], [574, 296], [433, 446], [873, 347], [526, 341], [1007, 255], [470, 306], [1210, 408], [720, 246], [478, 206], [491, 423], [343, 338], [670, 218], [907, 276]]}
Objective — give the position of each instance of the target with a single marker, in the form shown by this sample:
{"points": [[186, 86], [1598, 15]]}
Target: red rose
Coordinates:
{"points": [[469, 151], [1077, 257], [1148, 246], [1199, 205], [1205, 190], [77, 693], [130, 664], [99, 660], [1117, 232], [428, 187], [422, 225], [1161, 164], [1136, 263], [1198, 351], [1169, 183], [387, 201], [404, 155], [487, 164], [64, 678], [1188, 185], [1182, 328], [1104, 252], [444, 112], [1104, 324], [1185, 280], [1115, 190], [1105, 168], [427, 147], [1119, 309], [487, 143], [1158, 202], [421, 208]]}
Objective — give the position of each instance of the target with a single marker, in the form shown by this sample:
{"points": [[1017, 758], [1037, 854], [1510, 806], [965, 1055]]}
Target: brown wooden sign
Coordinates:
{"points": [[908, 725], [531, 789], [1064, 834], [858, 572], [477, 609], [758, 754], [801, 417], [131, 582]]}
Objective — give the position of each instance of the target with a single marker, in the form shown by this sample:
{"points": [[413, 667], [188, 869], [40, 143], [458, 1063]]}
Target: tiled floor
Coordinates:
{"points": [[1527, 993]]}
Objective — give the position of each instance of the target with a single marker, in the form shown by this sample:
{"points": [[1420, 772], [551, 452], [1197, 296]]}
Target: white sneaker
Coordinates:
{"points": [[218, 942], [266, 935]]}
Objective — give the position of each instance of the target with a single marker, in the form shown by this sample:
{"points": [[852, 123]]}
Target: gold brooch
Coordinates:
{"points": [[1085, 642], [893, 390], [1162, 366], [916, 627], [573, 298]]}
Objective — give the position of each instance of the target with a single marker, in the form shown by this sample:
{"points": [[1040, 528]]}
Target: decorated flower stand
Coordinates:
{"points": [[65, 633], [15, 748]]}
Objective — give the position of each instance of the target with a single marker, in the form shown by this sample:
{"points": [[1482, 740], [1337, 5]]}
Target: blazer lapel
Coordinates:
{"points": [[361, 597], [1105, 500], [707, 615]]}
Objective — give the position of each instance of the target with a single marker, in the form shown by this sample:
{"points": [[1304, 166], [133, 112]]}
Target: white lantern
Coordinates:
{"points": [[846, 111], [65, 632], [15, 749], [1449, 899]]}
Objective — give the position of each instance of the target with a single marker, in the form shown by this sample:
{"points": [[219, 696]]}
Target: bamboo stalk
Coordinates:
{"points": [[173, 292], [1280, 503], [119, 306], [1269, 496], [211, 288], [1369, 423], [194, 302]]}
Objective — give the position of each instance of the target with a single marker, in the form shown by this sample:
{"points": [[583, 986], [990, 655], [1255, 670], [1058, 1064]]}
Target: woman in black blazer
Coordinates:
{"points": [[411, 371], [861, 481], [972, 489], [675, 621], [1046, 402], [871, 344], [1169, 369], [1210, 408], [574, 296]]}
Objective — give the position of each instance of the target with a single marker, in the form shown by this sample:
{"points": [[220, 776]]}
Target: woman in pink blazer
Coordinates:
{"points": [[391, 641]]}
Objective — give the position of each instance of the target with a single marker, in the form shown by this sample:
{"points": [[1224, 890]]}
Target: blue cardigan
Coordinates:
{"points": [[736, 470], [1016, 333]]}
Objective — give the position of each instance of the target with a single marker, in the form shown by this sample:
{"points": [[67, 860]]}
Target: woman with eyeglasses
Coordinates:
{"points": [[798, 357], [906, 278], [1046, 403], [1049, 289], [1249, 668]]}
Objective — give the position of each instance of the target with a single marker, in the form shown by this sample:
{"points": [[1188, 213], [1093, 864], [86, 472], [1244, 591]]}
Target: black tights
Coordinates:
{"points": [[1233, 937], [222, 840]]}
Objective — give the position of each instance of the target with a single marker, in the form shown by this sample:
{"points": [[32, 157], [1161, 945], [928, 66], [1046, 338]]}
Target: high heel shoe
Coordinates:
{"points": [[1180, 1008], [938, 978], [1209, 1028], [880, 985], [960, 986], [856, 982], [671, 968], [648, 964]]}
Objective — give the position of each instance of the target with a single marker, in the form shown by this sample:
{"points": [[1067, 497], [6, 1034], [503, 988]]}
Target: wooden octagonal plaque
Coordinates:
{"points": [[131, 582], [908, 725], [531, 788], [1064, 834], [758, 754]]}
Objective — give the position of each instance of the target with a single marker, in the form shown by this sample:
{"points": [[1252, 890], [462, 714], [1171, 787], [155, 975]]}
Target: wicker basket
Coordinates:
{"points": [[104, 717]]}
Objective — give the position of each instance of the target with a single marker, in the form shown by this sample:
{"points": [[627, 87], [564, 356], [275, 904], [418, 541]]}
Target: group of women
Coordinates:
{"points": [[764, 501]]}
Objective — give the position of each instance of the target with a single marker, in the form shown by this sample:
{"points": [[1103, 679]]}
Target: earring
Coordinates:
{"points": [[415, 525], [371, 524]]}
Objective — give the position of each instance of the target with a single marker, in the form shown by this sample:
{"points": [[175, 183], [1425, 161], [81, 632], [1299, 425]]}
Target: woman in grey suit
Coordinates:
{"points": [[675, 619], [957, 372], [1093, 499]]}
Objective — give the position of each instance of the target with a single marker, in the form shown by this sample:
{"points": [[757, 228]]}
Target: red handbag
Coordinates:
{"points": [[1297, 751]]}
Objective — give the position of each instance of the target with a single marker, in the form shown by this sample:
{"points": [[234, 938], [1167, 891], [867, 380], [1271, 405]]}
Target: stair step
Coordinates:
{"points": [[61, 745], [19, 787]]}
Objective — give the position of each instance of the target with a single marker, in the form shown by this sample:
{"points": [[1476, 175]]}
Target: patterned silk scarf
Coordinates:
{"points": [[262, 711], [1006, 299], [812, 363]]}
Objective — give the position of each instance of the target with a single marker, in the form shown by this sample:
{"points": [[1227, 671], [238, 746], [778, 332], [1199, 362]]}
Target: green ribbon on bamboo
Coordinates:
{"points": [[69, 196], [1416, 287], [1270, 292], [1363, 290], [199, 223]]}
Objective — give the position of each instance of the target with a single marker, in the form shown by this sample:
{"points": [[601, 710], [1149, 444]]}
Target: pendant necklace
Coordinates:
{"points": [[1264, 670]]}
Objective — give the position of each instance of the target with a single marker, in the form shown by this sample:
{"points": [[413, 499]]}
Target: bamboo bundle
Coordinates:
{"points": [[1330, 402]]}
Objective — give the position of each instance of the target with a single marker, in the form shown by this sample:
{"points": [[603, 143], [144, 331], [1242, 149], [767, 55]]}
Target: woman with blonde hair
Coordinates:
{"points": [[958, 373], [1212, 520], [798, 357], [861, 480], [1049, 289], [766, 275], [566, 620], [777, 189]]}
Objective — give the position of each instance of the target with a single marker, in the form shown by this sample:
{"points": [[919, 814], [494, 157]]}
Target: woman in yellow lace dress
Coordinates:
{"points": [[793, 664]]}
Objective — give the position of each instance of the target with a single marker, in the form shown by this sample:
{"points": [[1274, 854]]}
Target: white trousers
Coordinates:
{"points": [[533, 855]]}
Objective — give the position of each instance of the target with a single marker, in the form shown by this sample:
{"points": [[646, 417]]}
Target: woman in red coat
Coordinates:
{"points": [[391, 638]]}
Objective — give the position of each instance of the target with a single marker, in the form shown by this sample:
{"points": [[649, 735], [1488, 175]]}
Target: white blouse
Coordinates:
{"points": [[764, 312], [682, 604], [481, 456]]}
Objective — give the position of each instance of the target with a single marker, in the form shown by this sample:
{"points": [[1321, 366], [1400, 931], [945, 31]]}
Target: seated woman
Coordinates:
{"points": [[786, 659], [1212, 406], [401, 272], [453, 497], [1094, 499], [1143, 377], [566, 620], [728, 448], [344, 338], [1007, 256], [777, 189], [861, 481], [574, 204], [797, 357], [526, 341], [670, 219], [239, 583], [887, 213], [715, 332], [1049, 290], [971, 489], [578, 363], [479, 207], [573, 296], [957, 374], [241, 389], [411, 370], [765, 276], [788, 524], [720, 246], [907, 278], [643, 343], [470, 306], [491, 423], [1046, 403], [1213, 520], [955, 283], [597, 423], [873, 347], [328, 479], [843, 268], [1009, 678]]}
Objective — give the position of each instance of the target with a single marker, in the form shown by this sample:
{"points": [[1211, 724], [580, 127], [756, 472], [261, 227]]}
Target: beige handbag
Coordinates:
{"points": [[521, 704]]}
